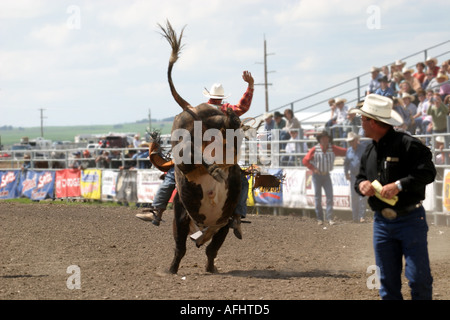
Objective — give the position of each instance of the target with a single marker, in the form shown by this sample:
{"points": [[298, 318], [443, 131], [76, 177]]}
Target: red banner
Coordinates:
{"points": [[67, 183]]}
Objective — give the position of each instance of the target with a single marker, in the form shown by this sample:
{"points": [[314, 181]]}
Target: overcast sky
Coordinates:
{"points": [[104, 62]]}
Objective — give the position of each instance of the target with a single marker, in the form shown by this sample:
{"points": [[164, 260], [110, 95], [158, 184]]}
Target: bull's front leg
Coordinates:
{"points": [[213, 248]]}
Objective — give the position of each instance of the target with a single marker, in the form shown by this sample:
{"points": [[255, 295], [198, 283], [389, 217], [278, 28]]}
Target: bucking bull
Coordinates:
{"points": [[208, 178]]}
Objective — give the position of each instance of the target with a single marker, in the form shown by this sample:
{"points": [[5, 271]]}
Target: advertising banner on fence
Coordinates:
{"points": [[341, 190], [147, 185], [67, 183], [109, 178], [126, 186], [90, 184], [446, 191], [294, 190], [9, 182], [37, 185], [270, 196]]}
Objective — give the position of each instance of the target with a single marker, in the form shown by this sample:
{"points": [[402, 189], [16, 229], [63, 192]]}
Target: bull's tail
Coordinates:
{"points": [[175, 43]]}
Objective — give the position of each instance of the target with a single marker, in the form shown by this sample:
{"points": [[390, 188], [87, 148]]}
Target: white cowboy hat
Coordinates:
{"points": [[442, 75], [399, 63], [337, 100], [374, 69], [379, 108], [440, 139], [216, 92], [406, 69], [352, 136], [406, 95], [431, 59], [267, 115]]}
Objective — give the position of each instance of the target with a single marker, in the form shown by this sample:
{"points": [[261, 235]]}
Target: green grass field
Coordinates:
{"points": [[10, 136]]}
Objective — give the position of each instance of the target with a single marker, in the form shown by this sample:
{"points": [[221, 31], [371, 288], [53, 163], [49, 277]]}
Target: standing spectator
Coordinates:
{"points": [[374, 83], [269, 124], [351, 169], [420, 74], [432, 65], [87, 161], [384, 89], [320, 160], [103, 160], [403, 166], [76, 161]]}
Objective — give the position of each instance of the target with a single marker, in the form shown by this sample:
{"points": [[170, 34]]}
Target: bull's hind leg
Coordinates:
{"points": [[180, 233], [213, 248]]}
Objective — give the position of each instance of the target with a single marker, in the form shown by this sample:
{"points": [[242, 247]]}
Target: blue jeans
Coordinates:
{"points": [[165, 190], [241, 207], [358, 202], [404, 236], [319, 182]]}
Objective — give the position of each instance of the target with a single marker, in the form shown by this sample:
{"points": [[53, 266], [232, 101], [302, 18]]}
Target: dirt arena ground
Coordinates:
{"points": [[121, 257]]}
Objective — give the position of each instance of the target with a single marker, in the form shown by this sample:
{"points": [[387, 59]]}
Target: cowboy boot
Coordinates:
{"points": [[154, 216]]}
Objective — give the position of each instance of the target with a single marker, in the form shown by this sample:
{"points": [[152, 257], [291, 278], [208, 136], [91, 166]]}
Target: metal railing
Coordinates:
{"points": [[354, 89]]}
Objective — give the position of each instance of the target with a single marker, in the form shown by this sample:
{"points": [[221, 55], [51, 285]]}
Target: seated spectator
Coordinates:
{"points": [[432, 65], [385, 72], [397, 66], [384, 89], [421, 119], [269, 124], [332, 120], [411, 110], [374, 83], [293, 147], [401, 110], [444, 85], [280, 124], [352, 123], [405, 87], [429, 76], [420, 74], [291, 120], [442, 157], [395, 82], [337, 130], [413, 82], [445, 67]]}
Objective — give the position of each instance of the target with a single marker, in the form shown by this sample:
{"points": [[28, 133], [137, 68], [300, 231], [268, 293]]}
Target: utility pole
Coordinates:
{"points": [[42, 122], [150, 120], [266, 84]]}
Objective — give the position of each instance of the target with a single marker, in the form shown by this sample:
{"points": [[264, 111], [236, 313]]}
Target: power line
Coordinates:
{"points": [[266, 84]]}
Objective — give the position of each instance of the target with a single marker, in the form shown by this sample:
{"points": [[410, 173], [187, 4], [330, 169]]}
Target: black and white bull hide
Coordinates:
{"points": [[207, 191]]}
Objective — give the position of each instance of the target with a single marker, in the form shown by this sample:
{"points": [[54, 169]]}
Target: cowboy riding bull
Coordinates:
{"points": [[205, 145]]}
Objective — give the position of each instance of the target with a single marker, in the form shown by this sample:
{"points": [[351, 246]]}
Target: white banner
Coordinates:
{"points": [[109, 178], [294, 194], [147, 185]]}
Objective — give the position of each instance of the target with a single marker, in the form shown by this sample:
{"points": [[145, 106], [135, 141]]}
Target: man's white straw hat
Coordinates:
{"points": [[379, 108]]}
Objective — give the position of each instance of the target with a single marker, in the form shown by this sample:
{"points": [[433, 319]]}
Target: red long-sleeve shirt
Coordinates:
{"points": [[308, 160], [242, 107]]}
